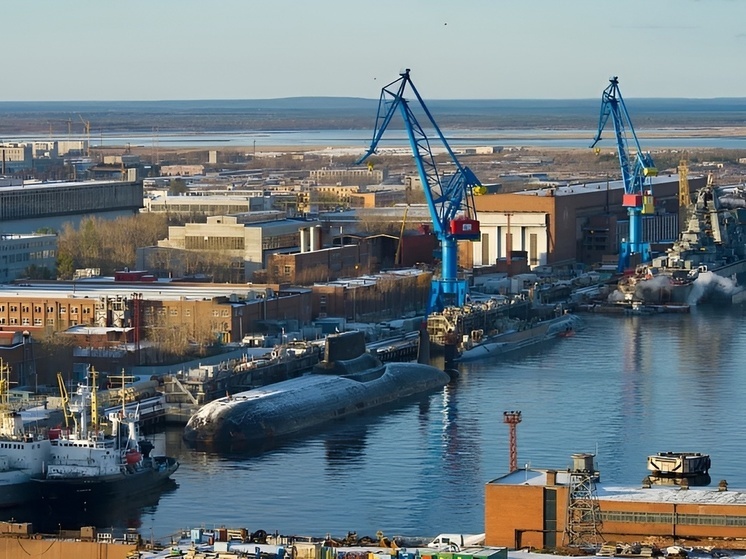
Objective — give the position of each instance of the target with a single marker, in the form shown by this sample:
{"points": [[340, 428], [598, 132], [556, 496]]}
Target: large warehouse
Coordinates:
{"points": [[546, 508], [580, 222]]}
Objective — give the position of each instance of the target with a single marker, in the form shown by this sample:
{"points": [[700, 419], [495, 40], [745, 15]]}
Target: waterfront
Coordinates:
{"points": [[623, 386]]}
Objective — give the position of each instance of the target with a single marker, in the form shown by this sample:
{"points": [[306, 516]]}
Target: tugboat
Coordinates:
{"points": [[87, 465]]}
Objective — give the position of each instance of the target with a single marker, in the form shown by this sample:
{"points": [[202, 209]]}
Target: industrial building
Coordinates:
{"points": [[26, 207], [203, 204], [575, 223], [139, 311], [549, 508], [244, 238], [351, 175], [19, 253]]}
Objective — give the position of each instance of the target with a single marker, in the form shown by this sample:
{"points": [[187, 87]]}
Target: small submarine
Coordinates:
{"points": [[347, 381]]}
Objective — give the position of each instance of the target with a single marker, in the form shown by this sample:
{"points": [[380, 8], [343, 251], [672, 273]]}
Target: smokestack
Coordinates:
{"points": [[303, 239]]}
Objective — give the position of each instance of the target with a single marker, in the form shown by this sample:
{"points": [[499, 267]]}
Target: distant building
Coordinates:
{"points": [[353, 175], [182, 170], [18, 253], [243, 238], [31, 205], [200, 205], [16, 157]]}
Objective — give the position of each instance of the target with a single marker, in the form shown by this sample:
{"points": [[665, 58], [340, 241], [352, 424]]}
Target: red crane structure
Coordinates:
{"points": [[512, 418]]}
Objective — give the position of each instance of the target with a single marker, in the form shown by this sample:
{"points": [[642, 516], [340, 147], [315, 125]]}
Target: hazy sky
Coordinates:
{"points": [[457, 49]]}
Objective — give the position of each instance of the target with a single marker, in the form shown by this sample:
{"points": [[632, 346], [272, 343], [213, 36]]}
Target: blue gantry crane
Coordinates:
{"points": [[636, 173], [450, 199]]}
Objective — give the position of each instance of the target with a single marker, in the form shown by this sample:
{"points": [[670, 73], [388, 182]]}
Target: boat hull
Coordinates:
{"points": [[142, 481], [257, 416], [508, 342], [17, 488]]}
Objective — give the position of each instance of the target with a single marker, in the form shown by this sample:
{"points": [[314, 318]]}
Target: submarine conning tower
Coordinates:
{"points": [[345, 353]]}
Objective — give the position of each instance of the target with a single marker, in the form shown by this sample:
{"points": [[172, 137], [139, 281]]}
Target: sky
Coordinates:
{"points": [[81, 50]]}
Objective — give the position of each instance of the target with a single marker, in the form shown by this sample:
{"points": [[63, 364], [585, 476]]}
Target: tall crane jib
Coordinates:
{"points": [[636, 173], [450, 199]]}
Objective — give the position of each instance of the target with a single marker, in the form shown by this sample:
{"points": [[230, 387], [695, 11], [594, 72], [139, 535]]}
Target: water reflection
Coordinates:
{"points": [[122, 513]]}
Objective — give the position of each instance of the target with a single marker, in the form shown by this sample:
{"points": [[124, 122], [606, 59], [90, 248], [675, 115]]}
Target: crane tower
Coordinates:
{"points": [[637, 172], [450, 199]]}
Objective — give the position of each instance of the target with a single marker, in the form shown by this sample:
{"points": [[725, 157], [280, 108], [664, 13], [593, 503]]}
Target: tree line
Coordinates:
{"points": [[109, 245]]}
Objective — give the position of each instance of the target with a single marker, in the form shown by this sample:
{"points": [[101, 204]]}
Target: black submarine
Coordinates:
{"points": [[348, 381]]}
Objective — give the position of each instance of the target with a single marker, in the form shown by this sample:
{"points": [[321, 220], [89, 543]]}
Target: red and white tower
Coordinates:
{"points": [[512, 418]]}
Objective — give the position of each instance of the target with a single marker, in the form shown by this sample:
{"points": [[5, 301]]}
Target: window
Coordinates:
{"points": [[50, 322], [174, 312], [37, 308], [73, 310], [26, 322], [63, 310], [37, 322], [13, 308], [50, 309]]}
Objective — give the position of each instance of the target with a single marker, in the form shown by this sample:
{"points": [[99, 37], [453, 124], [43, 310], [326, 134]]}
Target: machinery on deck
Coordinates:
{"points": [[638, 197], [450, 199]]}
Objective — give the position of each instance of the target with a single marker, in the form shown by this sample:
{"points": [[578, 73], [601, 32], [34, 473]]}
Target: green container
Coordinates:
{"points": [[491, 553]]}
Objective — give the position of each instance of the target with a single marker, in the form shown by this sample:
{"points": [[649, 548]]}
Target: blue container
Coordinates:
{"points": [[196, 535]]}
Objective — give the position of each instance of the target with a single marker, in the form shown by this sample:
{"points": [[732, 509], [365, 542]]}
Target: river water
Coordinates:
{"points": [[359, 140], [623, 387]]}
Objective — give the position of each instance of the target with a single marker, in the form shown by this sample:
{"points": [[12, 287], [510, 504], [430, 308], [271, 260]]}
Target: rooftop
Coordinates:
{"points": [[608, 492]]}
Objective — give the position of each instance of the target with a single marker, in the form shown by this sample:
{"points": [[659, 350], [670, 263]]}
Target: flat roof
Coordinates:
{"points": [[609, 492], [581, 188], [157, 291], [41, 185]]}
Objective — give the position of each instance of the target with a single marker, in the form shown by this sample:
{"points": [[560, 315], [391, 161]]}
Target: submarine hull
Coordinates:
{"points": [[265, 414]]}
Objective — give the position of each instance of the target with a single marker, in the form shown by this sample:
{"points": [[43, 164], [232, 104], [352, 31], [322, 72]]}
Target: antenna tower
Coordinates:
{"points": [[512, 418]]}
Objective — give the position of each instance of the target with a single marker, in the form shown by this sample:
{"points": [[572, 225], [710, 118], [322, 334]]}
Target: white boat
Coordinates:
{"points": [[479, 346], [90, 465], [23, 455]]}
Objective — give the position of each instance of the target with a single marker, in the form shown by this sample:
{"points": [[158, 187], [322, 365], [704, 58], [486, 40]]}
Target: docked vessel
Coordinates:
{"points": [[706, 263], [679, 468], [349, 381], [88, 465], [479, 345], [23, 455]]}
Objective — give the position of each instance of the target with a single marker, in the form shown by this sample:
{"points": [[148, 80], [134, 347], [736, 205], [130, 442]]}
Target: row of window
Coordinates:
{"points": [[668, 518], [50, 310]]}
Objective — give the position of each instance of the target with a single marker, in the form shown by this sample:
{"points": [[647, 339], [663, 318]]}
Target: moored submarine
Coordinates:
{"points": [[348, 381]]}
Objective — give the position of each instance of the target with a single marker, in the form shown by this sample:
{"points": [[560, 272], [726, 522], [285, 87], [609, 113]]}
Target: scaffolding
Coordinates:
{"points": [[583, 523]]}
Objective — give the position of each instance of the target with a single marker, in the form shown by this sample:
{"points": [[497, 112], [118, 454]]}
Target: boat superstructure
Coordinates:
{"points": [[706, 262], [23, 455], [88, 463]]}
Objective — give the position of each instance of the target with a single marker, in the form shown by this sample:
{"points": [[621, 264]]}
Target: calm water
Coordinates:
{"points": [[651, 139], [624, 387]]}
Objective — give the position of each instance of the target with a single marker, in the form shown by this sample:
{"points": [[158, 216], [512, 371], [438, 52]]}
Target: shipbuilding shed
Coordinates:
{"points": [[573, 223]]}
